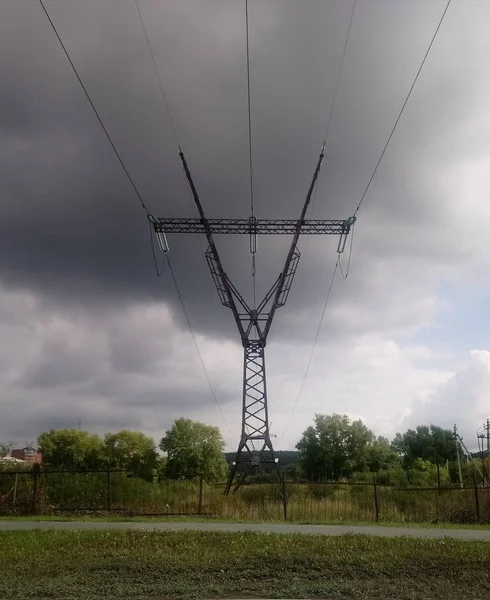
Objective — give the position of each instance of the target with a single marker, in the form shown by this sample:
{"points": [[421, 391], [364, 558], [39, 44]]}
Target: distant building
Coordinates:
{"points": [[10, 459], [27, 455]]}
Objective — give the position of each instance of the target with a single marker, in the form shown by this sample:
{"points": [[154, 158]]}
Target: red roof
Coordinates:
{"points": [[27, 454]]}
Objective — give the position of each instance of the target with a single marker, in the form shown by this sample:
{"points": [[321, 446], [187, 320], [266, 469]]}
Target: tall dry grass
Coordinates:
{"points": [[317, 503]]}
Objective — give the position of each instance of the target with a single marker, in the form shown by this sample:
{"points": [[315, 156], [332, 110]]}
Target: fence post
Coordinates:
{"points": [[15, 488], [376, 499], [109, 492], [477, 500], [35, 472], [284, 499], [201, 483]]}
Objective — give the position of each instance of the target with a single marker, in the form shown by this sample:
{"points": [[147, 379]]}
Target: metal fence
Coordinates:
{"points": [[51, 492]]}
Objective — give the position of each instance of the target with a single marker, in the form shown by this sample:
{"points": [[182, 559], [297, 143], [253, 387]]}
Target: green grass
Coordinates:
{"points": [[108, 518], [315, 503], [130, 564]]}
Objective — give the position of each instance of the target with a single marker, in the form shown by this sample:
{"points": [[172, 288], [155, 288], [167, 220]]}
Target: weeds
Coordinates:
{"points": [[115, 564], [333, 502]]}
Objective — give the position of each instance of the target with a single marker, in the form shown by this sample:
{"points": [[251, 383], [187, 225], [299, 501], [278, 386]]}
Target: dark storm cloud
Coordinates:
{"points": [[71, 228], [104, 410], [57, 368]]}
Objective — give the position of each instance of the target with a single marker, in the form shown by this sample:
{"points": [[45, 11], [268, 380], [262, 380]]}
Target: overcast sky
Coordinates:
{"points": [[91, 335]]}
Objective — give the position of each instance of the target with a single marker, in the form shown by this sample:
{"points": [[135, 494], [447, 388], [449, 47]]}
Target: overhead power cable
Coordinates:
{"points": [[334, 97], [142, 202], [337, 264], [298, 398], [250, 159], [159, 272], [344, 51], [140, 198], [184, 310], [250, 162], [157, 73], [172, 272], [403, 106]]}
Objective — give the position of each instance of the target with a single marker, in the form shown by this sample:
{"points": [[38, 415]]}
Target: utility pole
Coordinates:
{"points": [[253, 324], [460, 474], [487, 427], [469, 456], [481, 436]]}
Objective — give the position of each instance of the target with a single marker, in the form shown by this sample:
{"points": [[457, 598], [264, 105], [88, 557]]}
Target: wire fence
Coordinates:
{"points": [[118, 492]]}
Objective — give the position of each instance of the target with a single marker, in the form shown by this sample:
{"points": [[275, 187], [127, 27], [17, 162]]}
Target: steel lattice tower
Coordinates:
{"points": [[253, 323]]}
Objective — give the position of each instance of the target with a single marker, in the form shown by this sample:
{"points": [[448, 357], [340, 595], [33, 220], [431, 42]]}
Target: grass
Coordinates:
{"points": [[177, 565], [108, 518], [306, 503]]}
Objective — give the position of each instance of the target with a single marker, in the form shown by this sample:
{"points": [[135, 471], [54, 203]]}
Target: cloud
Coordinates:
{"points": [[93, 335], [462, 399], [130, 368]]}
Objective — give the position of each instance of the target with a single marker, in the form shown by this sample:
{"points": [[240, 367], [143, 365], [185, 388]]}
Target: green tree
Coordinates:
{"points": [[6, 448], [71, 449], [334, 446], [427, 442], [380, 456], [132, 451], [426, 473], [193, 450]]}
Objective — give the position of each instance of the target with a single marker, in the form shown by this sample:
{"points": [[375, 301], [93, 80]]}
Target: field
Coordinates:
{"points": [[116, 564], [118, 493]]}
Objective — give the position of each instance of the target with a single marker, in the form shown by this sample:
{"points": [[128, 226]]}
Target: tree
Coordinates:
{"points": [[334, 446], [380, 456], [194, 450], [429, 443], [71, 449], [6, 448], [132, 451]]}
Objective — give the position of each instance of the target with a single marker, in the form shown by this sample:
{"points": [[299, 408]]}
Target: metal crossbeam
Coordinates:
{"points": [[243, 226]]}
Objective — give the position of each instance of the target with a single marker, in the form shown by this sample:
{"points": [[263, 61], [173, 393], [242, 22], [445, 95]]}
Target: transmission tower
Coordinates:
{"points": [[253, 324]]}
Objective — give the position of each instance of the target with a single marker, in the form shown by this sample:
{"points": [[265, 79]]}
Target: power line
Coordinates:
{"points": [[334, 99], [340, 70], [313, 347], [165, 102], [179, 293], [250, 160], [94, 109], [166, 106], [337, 264], [403, 107], [137, 192], [184, 310], [157, 73]]}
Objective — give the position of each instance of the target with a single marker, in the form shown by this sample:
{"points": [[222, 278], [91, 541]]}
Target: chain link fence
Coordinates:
{"points": [[118, 492]]}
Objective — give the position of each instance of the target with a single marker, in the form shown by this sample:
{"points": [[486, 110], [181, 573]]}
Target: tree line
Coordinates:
{"points": [[188, 450], [334, 447]]}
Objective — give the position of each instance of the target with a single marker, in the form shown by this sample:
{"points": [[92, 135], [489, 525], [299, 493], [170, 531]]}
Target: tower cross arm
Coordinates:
{"points": [[243, 226]]}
